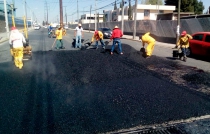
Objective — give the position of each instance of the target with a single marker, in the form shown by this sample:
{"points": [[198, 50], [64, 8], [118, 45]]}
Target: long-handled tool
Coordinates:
{"points": [[53, 44]]}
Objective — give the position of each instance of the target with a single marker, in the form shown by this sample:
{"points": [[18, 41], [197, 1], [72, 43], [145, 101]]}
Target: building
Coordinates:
{"points": [[9, 9], [174, 15], [144, 12], [90, 18]]}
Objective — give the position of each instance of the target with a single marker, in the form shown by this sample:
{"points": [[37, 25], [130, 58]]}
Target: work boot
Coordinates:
{"points": [[185, 59]]}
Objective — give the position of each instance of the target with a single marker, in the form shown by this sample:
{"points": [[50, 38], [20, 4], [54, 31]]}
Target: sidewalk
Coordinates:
{"points": [[5, 37], [130, 37]]}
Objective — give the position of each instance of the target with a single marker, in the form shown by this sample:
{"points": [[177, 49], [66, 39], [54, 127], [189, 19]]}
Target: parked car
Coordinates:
{"points": [[200, 44], [107, 32], [36, 27]]}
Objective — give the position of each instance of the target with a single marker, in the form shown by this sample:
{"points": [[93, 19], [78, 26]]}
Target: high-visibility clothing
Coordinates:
{"points": [[18, 57], [146, 38], [59, 34], [97, 36], [184, 41]]}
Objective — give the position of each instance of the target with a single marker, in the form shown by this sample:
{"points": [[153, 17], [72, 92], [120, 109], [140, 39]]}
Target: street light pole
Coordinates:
{"points": [[134, 26], [6, 18]]}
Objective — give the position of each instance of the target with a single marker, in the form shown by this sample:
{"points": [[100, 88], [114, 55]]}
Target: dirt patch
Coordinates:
{"points": [[190, 77]]}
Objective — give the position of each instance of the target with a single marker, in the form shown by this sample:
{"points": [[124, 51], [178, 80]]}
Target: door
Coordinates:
{"points": [[196, 44], [206, 45]]}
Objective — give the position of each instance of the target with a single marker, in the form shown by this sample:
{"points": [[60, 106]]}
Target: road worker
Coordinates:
{"points": [[183, 43], [116, 36], [147, 39], [59, 38], [17, 39], [98, 36]]}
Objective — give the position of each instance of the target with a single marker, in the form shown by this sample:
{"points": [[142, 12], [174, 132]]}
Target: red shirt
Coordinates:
{"points": [[116, 33]]}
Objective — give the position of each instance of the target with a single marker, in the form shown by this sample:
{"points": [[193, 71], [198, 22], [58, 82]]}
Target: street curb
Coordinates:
{"points": [[3, 40]]}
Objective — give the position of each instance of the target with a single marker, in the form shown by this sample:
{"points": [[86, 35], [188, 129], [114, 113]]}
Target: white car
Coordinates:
{"points": [[36, 27], [66, 27]]}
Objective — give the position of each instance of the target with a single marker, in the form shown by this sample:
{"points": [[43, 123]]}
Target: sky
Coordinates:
{"points": [[39, 8]]}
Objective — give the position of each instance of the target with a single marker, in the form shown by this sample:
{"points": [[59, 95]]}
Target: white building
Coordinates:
{"points": [[144, 12], [90, 18]]}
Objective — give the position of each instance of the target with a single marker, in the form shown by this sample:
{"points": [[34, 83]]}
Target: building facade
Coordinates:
{"points": [[90, 18], [144, 12]]}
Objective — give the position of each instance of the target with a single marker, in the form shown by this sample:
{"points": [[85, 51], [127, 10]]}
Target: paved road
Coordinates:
{"points": [[88, 91]]}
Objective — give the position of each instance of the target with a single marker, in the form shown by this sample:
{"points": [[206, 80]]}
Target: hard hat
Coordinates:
{"points": [[96, 32], [183, 33], [13, 28], [79, 24], [116, 27]]}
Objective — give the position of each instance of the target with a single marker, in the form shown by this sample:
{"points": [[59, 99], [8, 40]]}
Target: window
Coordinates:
{"points": [[207, 38], [146, 13], [198, 37]]}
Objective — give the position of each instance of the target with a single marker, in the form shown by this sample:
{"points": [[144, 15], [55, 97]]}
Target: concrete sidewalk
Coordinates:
{"points": [[130, 37], [5, 36]]}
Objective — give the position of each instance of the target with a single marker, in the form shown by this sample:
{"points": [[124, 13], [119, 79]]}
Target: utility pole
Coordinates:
{"points": [[122, 17], [77, 12], [66, 15], [13, 18], [90, 17], [178, 22], [26, 16], [6, 18], [47, 12], [134, 26], [95, 16], [61, 13]]}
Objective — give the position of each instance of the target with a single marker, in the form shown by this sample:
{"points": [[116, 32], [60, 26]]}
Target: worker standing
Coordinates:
{"points": [[16, 40], [98, 36], [78, 35], [116, 35], [147, 39], [183, 42], [59, 38]]}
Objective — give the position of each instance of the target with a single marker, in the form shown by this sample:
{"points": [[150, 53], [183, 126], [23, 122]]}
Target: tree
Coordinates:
{"points": [[130, 16], [152, 2], [115, 5], [187, 5], [198, 7]]}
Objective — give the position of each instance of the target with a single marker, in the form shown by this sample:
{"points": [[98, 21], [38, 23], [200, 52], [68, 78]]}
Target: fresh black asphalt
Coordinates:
{"points": [[88, 91]]}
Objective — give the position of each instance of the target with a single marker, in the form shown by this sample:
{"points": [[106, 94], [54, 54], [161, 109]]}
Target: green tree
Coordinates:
{"points": [[152, 2], [115, 5], [198, 7], [187, 5], [130, 14]]}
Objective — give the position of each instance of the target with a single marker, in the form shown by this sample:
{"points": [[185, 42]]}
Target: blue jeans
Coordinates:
{"points": [[116, 40], [78, 44], [184, 51], [102, 43]]}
